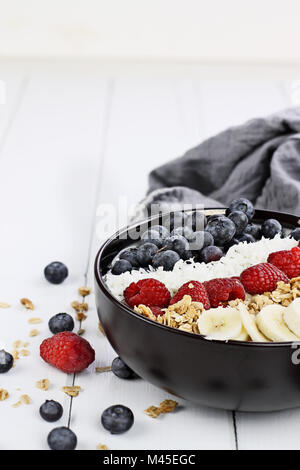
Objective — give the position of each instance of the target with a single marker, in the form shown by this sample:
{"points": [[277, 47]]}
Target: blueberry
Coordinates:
{"points": [[243, 205], [56, 272], [162, 231], [295, 234], [222, 229], [61, 322], [270, 228], [232, 242], [185, 232], [121, 370], [174, 220], [214, 217], [130, 254], [240, 221], [117, 419], [201, 240], [187, 255], [211, 253], [177, 243], [121, 266], [166, 259], [152, 236], [254, 230], [51, 411], [145, 254], [6, 361], [62, 439], [197, 220], [246, 237]]}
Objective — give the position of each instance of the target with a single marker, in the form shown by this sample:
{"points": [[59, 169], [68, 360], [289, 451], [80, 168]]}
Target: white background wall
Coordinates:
{"points": [[215, 30]]}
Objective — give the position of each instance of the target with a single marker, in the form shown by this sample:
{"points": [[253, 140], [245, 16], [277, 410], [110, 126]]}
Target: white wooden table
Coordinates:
{"points": [[71, 134]]}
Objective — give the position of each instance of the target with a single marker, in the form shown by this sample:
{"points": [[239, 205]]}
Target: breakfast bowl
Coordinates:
{"points": [[231, 375]]}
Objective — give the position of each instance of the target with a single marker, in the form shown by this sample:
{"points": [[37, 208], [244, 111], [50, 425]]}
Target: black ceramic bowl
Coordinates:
{"points": [[244, 376]]}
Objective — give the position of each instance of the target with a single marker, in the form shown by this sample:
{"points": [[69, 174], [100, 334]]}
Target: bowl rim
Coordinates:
{"points": [[101, 284]]}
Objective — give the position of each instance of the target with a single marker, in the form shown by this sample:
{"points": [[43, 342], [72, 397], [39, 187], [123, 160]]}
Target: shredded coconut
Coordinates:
{"points": [[238, 258]]}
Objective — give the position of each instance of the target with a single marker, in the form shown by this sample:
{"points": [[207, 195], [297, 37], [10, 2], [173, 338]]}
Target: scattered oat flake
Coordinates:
{"points": [[24, 352], [35, 320], [17, 344], [101, 329], [27, 303], [15, 354], [78, 306], [4, 305], [72, 391], [16, 405], [80, 316], [25, 344], [43, 384], [103, 369], [33, 332], [165, 407], [81, 331], [84, 291], [3, 394], [25, 399], [101, 447]]}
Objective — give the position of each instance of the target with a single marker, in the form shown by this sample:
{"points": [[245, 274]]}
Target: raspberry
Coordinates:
{"points": [[157, 311], [148, 292], [196, 290], [288, 261], [262, 278], [221, 291], [67, 351]]}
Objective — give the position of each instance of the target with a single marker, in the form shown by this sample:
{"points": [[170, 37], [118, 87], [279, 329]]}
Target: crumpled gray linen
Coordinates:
{"points": [[259, 160]]}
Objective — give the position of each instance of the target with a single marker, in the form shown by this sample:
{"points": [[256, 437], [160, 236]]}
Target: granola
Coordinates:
{"points": [[43, 384], [3, 394], [27, 303], [84, 291], [33, 332], [78, 306], [72, 391], [165, 407]]}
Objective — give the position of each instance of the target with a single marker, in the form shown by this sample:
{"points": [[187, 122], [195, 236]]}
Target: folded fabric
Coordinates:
{"points": [[259, 160]]}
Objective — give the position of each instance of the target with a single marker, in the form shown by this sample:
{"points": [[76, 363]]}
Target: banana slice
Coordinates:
{"points": [[248, 321], [243, 336], [270, 321], [220, 323], [292, 316]]}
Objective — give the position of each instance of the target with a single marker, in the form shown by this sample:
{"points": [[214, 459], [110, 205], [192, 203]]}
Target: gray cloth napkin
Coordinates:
{"points": [[259, 160]]}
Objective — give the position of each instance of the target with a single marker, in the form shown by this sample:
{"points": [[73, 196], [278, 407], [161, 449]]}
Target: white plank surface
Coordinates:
{"points": [[73, 136]]}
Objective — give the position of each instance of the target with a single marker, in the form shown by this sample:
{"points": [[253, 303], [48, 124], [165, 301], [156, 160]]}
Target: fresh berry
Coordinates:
{"points": [[288, 261], [130, 254], [153, 237], [162, 231], [157, 311], [174, 220], [61, 322], [254, 230], [51, 411], [145, 254], [195, 290], [165, 259], [121, 370], [185, 232], [240, 221], [56, 272], [147, 292], [270, 228], [121, 266], [117, 419], [196, 220], [62, 439], [232, 242], [176, 243], [243, 205], [200, 240], [211, 253], [6, 361], [262, 278], [222, 229], [220, 291], [67, 351], [295, 234], [246, 237]]}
